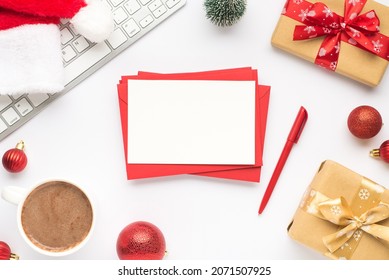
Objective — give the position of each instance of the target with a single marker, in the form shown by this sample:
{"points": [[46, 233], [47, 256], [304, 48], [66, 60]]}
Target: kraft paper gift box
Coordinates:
{"points": [[343, 215], [354, 62]]}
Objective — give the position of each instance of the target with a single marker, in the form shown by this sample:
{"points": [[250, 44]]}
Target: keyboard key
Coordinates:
{"points": [[159, 12], [81, 44], [64, 21], [84, 62], [16, 96], [68, 53], [5, 100], [10, 116], [37, 99], [153, 6], [3, 126], [23, 107], [116, 2], [132, 6], [146, 21], [144, 2], [119, 15], [131, 28], [73, 29], [117, 38], [171, 3], [66, 36]]}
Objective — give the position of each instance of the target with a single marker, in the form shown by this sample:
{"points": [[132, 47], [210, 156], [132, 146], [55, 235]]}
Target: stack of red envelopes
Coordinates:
{"points": [[242, 172]]}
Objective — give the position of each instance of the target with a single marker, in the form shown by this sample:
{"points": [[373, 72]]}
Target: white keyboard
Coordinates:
{"points": [[133, 19]]}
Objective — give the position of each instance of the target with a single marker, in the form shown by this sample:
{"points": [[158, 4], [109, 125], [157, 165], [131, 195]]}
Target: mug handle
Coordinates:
{"points": [[13, 194]]}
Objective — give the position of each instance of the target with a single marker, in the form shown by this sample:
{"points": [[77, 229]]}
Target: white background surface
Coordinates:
{"points": [[78, 138]]}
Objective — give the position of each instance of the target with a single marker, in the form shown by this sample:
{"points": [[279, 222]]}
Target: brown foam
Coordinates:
{"points": [[56, 216]]}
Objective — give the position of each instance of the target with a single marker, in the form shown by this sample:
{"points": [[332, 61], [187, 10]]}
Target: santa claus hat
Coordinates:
{"points": [[91, 18], [30, 46]]}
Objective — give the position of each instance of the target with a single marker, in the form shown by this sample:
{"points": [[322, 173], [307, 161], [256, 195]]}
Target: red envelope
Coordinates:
{"points": [[238, 172]]}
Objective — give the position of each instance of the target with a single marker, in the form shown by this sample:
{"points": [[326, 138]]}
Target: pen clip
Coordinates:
{"points": [[298, 125]]}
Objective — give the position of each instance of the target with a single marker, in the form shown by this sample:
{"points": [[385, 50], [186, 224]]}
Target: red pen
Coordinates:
{"points": [[293, 137]]}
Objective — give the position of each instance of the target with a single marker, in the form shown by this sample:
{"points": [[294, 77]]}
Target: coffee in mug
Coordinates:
{"points": [[55, 217]]}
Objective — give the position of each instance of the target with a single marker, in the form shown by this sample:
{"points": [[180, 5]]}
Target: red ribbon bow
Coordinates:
{"points": [[359, 30]]}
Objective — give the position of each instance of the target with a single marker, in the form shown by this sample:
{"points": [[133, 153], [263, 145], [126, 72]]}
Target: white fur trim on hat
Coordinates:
{"points": [[94, 21], [31, 60]]}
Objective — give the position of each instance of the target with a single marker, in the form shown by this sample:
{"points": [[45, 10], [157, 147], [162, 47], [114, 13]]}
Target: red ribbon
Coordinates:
{"points": [[360, 30]]}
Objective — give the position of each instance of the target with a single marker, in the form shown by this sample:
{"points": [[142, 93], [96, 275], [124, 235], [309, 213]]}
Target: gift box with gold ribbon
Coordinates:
{"points": [[343, 215], [350, 37]]}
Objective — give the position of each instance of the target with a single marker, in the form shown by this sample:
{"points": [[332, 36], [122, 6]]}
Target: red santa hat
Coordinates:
{"points": [[30, 48]]}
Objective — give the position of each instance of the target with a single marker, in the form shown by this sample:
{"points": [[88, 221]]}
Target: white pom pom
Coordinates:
{"points": [[94, 22]]}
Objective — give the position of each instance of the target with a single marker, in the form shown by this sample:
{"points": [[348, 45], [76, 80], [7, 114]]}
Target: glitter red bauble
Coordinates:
{"points": [[141, 241], [5, 252], [15, 160], [364, 122], [382, 152]]}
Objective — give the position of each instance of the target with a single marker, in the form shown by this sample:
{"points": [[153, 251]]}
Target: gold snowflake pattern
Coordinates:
{"points": [[336, 210], [364, 194], [357, 235]]}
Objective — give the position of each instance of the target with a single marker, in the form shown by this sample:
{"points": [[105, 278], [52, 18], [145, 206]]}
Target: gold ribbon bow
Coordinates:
{"points": [[338, 212]]}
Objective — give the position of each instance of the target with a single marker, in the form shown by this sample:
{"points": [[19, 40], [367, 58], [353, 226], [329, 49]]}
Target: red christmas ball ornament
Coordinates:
{"points": [[141, 241], [382, 152], [364, 122], [15, 160], [5, 252]]}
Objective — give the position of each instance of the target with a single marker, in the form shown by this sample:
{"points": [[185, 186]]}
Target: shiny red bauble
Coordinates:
{"points": [[15, 160], [5, 252], [382, 152], [140, 241], [364, 122]]}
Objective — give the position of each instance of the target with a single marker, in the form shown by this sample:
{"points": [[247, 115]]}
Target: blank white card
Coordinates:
{"points": [[191, 122]]}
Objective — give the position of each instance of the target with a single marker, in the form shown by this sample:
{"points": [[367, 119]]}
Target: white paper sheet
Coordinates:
{"points": [[191, 122]]}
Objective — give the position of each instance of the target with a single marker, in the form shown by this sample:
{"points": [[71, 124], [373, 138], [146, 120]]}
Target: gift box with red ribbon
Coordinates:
{"points": [[343, 215], [350, 37]]}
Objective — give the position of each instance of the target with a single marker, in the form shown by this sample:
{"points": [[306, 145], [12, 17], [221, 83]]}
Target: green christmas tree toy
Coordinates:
{"points": [[225, 12]]}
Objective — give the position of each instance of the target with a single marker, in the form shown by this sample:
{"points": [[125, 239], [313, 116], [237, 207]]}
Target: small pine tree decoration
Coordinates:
{"points": [[224, 12]]}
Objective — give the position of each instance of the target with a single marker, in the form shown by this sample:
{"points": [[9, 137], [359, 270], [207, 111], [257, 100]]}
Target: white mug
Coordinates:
{"points": [[55, 217]]}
